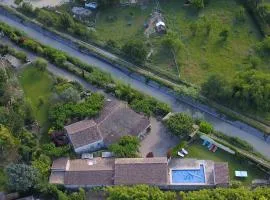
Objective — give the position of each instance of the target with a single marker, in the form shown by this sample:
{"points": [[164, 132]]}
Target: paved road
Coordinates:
{"points": [[254, 137]]}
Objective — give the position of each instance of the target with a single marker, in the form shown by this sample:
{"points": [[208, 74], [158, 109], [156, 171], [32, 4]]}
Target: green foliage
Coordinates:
{"points": [[27, 9], [8, 144], [127, 147], [216, 88], [252, 89], [135, 50], [55, 152], [80, 195], [60, 113], [206, 127], [43, 165], [70, 95], [228, 193], [180, 124], [65, 21], [172, 41], [21, 177], [46, 18], [41, 64], [138, 192]]}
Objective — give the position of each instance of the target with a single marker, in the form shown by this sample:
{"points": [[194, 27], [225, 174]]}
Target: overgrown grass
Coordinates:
{"points": [[37, 86], [197, 150], [204, 55], [122, 23]]}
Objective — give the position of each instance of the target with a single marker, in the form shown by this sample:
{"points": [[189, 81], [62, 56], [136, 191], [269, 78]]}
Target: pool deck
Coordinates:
{"points": [[191, 164]]}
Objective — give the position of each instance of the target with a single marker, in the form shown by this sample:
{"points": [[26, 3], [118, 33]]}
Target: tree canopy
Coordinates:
{"points": [[21, 177], [180, 124], [127, 147]]}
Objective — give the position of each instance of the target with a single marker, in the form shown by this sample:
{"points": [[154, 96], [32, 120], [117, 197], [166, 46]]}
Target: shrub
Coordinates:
{"points": [[180, 124], [206, 127], [127, 147]]}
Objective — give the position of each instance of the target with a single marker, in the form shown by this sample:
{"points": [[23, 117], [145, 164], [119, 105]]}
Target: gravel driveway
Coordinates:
{"points": [[158, 141]]}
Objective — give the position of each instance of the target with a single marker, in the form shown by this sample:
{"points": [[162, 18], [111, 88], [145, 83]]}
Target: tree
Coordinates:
{"points": [[66, 21], [206, 127], [41, 64], [70, 95], [135, 50], [138, 192], [8, 144], [216, 88], [21, 177], [46, 18], [172, 41], [180, 124], [43, 165], [127, 147]]}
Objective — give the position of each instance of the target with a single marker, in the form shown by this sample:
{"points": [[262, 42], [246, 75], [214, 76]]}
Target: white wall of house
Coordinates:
{"points": [[90, 147]]}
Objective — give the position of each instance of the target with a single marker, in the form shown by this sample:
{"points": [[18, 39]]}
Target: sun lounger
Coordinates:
{"points": [[211, 149], [215, 149], [184, 151], [180, 154]]}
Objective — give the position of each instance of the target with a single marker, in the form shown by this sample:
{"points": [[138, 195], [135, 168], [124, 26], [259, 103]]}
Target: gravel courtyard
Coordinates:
{"points": [[158, 141]]}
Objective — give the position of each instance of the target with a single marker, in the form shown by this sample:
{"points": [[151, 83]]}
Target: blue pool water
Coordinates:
{"points": [[188, 176]]}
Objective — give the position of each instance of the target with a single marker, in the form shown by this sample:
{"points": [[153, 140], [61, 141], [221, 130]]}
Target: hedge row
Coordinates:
{"points": [[139, 101]]}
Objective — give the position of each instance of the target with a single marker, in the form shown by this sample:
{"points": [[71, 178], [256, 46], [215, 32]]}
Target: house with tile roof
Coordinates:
{"points": [[114, 121], [158, 171]]}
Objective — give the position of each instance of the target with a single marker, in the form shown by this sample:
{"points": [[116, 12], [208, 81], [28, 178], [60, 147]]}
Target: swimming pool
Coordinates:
{"points": [[188, 175]]}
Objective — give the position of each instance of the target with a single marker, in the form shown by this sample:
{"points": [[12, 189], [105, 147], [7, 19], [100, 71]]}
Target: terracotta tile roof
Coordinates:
{"points": [[98, 171], [79, 126], [115, 120], [57, 177], [97, 164], [221, 171], [59, 164], [99, 177], [83, 133], [122, 121], [153, 171]]}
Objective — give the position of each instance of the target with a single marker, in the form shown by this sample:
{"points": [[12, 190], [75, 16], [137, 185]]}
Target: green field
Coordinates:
{"points": [[197, 150], [202, 55], [37, 86]]}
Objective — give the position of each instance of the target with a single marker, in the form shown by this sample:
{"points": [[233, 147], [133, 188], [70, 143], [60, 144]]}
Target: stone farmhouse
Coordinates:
{"points": [[175, 173], [114, 121]]}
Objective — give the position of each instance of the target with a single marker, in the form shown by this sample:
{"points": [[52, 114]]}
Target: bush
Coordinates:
{"points": [[180, 124], [127, 147], [135, 50], [21, 177], [41, 64], [206, 127]]}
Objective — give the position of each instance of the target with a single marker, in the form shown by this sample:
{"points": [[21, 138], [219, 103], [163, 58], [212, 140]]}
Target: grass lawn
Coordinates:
{"points": [[197, 150], [37, 86], [122, 23]]}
